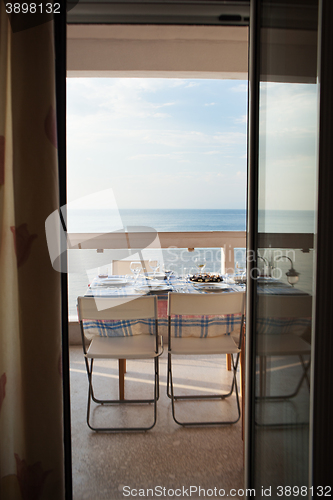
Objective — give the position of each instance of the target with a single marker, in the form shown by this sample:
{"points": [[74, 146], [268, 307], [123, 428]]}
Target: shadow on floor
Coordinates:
{"points": [[168, 456]]}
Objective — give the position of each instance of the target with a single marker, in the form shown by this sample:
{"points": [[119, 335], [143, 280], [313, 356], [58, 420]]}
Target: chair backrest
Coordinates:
{"points": [[114, 308], [284, 306], [206, 304], [121, 267]]}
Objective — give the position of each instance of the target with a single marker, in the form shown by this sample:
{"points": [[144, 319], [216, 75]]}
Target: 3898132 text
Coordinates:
{"points": [[32, 8], [297, 491]]}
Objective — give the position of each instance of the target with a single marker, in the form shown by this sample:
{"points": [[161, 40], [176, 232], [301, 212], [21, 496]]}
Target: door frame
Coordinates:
{"points": [[322, 366]]}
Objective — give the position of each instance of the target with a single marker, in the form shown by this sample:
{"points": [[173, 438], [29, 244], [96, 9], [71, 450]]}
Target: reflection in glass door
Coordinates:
{"points": [[282, 216]]}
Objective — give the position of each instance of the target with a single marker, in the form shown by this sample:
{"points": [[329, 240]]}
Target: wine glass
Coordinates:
{"points": [[136, 268], [240, 268], [168, 273], [200, 262], [103, 272], [154, 264]]}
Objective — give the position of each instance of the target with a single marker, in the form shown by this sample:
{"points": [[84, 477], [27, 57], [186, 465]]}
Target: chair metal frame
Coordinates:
{"points": [[89, 367], [284, 307], [170, 388]]}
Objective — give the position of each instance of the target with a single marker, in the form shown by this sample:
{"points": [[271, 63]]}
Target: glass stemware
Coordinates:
{"points": [[136, 268], [240, 268], [200, 262], [103, 272], [154, 264], [168, 273]]}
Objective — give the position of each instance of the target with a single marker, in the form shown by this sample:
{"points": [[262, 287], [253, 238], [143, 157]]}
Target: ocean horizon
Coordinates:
{"points": [[278, 221]]}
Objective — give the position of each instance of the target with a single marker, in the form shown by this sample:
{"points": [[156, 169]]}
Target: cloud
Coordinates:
{"points": [[175, 155], [191, 84], [178, 156], [242, 119], [123, 97], [210, 104], [288, 109], [212, 152], [104, 128], [230, 138], [242, 87]]}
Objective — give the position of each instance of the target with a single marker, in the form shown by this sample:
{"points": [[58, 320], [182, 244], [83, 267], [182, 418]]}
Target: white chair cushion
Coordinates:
{"points": [[224, 344], [135, 347]]}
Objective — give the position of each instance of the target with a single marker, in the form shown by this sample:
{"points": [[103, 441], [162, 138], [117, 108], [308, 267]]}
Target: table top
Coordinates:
{"points": [[123, 286]]}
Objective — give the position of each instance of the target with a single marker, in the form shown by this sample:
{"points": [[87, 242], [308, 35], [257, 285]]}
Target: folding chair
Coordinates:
{"points": [[180, 304], [142, 346], [281, 316]]}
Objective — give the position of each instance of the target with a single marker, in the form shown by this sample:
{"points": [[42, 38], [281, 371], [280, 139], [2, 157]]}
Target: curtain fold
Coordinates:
{"points": [[31, 418]]}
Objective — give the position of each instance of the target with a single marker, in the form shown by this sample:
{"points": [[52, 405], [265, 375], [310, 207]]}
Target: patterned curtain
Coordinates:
{"points": [[31, 426]]}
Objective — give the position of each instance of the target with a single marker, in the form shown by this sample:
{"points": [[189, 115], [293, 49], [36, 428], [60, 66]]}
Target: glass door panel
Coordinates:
{"points": [[283, 278]]}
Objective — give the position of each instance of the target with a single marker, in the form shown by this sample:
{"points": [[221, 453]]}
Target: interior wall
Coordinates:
{"points": [[172, 51], [163, 51]]}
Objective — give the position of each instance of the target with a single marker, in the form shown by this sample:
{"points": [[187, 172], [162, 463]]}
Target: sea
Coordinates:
{"points": [[182, 220]]}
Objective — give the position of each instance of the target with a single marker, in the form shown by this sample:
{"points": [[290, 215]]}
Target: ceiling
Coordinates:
{"points": [[185, 12]]}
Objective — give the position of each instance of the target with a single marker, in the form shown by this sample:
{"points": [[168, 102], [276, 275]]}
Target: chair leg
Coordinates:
{"points": [[228, 362], [119, 401], [168, 376], [205, 397], [277, 425], [306, 367], [305, 376], [262, 376], [90, 391], [122, 371], [157, 376]]}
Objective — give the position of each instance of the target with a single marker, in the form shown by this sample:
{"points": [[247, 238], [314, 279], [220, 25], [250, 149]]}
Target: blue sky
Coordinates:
{"points": [[158, 143], [178, 143]]}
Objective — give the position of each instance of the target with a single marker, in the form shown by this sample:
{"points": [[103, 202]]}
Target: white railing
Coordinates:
{"points": [[226, 241]]}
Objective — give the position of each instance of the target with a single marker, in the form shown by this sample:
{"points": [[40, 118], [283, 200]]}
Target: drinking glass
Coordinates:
{"points": [[187, 273], [168, 274], [136, 268], [200, 262], [103, 272], [154, 264], [240, 268]]}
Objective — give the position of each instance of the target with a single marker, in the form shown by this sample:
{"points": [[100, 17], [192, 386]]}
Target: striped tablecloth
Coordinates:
{"points": [[183, 326]]}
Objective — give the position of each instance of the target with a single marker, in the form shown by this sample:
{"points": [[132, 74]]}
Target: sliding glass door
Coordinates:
{"points": [[282, 214]]}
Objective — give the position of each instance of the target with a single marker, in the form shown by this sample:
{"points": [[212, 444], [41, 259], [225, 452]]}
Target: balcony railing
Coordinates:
{"points": [[227, 241]]}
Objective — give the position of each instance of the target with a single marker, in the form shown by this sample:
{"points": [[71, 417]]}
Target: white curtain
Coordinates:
{"points": [[31, 426]]}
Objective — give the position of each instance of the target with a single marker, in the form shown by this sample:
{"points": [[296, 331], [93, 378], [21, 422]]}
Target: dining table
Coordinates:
{"points": [[160, 285]]}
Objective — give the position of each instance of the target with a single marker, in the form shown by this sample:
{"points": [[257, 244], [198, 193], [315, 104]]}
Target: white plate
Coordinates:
{"points": [[267, 280], [158, 276], [206, 283], [152, 288], [110, 282], [211, 286]]}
